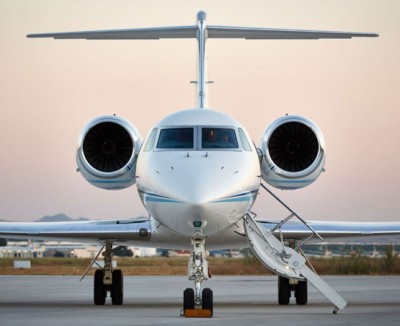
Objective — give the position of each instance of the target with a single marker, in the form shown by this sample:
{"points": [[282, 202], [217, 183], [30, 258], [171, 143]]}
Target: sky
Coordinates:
{"points": [[49, 90]]}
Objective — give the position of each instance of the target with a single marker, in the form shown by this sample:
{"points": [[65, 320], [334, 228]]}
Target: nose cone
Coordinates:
{"points": [[199, 183], [182, 189]]}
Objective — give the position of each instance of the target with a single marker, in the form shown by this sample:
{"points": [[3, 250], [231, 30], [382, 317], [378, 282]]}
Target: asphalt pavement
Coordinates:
{"points": [[157, 300]]}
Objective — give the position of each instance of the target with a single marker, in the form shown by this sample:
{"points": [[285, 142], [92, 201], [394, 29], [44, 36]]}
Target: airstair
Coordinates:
{"points": [[285, 261]]}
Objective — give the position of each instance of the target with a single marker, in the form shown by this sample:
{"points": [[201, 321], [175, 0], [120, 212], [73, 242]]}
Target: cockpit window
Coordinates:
{"points": [[151, 140], [243, 139], [175, 138], [218, 138]]}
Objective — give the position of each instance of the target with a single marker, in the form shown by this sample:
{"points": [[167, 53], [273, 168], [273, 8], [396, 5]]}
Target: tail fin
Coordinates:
{"points": [[201, 32]]}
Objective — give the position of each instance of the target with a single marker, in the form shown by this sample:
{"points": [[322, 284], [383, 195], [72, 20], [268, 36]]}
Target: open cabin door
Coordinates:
{"points": [[285, 261]]}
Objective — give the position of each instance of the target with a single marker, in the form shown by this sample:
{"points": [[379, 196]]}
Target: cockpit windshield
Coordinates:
{"points": [[218, 138], [198, 138], [175, 138]]}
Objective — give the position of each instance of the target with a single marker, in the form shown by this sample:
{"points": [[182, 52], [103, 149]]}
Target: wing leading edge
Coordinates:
{"points": [[138, 230], [378, 232]]}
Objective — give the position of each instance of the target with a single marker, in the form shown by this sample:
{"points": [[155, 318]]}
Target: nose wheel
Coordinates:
{"points": [[208, 300], [188, 299], [189, 306]]}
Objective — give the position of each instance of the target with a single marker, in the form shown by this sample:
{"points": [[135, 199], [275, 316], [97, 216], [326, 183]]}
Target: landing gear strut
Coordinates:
{"points": [[198, 272], [108, 280]]}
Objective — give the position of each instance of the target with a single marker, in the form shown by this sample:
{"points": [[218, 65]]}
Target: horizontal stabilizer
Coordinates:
{"points": [[155, 33], [278, 34]]}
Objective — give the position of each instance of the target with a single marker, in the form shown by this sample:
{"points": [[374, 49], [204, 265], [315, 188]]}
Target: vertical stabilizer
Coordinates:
{"points": [[201, 36]]}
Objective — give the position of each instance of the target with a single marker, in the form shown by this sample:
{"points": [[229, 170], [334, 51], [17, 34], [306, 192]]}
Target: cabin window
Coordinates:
{"points": [[243, 139], [216, 138], [175, 138], [151, 140]]}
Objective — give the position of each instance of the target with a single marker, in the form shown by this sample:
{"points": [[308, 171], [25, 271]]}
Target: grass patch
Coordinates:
{"points": [[353, 265]]}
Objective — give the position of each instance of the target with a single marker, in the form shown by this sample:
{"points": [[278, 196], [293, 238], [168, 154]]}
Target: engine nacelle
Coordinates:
{"points": [[107, 153], [293, 152]]}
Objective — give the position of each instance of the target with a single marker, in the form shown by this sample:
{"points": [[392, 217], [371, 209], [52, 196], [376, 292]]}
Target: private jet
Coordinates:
{"points": [[198, 174]]}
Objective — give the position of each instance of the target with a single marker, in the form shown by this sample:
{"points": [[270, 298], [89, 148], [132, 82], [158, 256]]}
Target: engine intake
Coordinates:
{"points": [[293, 146], [293, 152], [107, 152], [108, 147]]}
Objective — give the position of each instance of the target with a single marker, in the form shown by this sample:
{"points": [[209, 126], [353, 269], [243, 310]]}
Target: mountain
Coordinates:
{"points": [[60, 218]]}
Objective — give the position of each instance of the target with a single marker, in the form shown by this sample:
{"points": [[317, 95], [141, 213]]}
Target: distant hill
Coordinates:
{"points": [[60, 218]]}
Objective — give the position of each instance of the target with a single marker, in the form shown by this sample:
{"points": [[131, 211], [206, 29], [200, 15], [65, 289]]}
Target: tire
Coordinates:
{"points": [[99, 290], [188, 299], [283, 291], [208, 301], [301, 293], [117, 288]]}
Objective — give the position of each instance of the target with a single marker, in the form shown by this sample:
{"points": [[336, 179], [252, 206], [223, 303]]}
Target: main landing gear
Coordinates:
{"points": [[107, 280], [197, 303], [115, 288], [288, 286]]}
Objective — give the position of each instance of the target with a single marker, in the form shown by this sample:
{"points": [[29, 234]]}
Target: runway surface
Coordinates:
{"points": [[157, 300]]}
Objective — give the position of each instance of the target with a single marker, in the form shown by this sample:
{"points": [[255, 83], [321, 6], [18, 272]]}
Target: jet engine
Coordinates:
{"points": [[293, 152], [107, 153]]}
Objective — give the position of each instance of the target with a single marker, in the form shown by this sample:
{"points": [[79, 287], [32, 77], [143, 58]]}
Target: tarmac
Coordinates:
{"points": [[157, 300]]}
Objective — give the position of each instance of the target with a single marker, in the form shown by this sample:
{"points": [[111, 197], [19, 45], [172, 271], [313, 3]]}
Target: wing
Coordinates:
{"points": [[136, 230], [377, 232]]}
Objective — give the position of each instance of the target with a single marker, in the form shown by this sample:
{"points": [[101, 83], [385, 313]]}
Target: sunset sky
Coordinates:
{"points": [[49, 89]]}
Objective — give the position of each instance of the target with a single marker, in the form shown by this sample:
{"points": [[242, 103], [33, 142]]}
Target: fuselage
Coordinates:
{"points": [[198, 172]]}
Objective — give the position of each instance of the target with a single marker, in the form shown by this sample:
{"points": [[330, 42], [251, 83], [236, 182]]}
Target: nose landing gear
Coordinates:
{"points": [[198, 272]]}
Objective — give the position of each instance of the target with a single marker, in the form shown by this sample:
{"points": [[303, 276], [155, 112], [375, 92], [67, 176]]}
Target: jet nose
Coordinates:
{"points": [[198, 178], [199, 191], [201, 186]]}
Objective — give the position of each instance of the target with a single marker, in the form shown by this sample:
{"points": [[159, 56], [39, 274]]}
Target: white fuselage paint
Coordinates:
{"points": [[198, 191]]}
